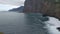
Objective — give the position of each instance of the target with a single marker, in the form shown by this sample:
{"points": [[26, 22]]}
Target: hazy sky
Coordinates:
{"points": [[4, 7], [13, 2], [9, 4]]}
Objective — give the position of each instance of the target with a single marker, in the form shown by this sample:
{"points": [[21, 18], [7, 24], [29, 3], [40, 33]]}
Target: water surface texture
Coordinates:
{"points": [[22, 23]]}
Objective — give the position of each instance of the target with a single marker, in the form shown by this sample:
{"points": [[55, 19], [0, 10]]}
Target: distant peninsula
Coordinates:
{"points": [[19, 9]]}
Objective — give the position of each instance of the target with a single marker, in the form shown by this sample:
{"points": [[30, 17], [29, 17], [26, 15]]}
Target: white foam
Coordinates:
{"points": [[52, 24]]}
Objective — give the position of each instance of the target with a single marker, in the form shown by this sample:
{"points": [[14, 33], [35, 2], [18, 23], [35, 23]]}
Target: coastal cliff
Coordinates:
{"points": [[46, 7]]}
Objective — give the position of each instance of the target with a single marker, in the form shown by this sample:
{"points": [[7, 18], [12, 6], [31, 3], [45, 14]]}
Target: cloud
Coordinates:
{"points": [[12, 2], [4, 7]]}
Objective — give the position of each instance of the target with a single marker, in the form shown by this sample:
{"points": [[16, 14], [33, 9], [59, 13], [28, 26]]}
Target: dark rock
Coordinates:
{"points": [[58, 28], [46, 7], [38, 6]]}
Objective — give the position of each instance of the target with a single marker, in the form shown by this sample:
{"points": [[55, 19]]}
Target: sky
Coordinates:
{"points": [[9, 4], [4, 7], [12, 2]]}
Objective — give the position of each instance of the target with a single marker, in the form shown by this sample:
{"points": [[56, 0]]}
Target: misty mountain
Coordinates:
{"points": [[19, 9]]}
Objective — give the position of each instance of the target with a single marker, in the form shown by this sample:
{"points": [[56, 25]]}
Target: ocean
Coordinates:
{"points": [[27, 23]]}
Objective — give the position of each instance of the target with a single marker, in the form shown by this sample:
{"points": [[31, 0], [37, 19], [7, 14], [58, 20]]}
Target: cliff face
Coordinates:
{"points": [[46, 7], [38, 5], [57, 10], [32, 6]]}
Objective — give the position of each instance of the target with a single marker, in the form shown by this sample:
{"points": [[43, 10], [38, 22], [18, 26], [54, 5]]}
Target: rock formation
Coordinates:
{"points": [[46, 7], [32, 6], [38, 5]]}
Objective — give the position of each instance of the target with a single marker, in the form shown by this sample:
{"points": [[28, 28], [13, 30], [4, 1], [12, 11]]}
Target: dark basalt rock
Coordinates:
{"points": [[58, 28]]}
